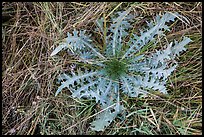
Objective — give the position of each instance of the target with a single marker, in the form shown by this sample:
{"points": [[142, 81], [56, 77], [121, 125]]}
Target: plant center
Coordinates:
{"points": [[115, 68]]}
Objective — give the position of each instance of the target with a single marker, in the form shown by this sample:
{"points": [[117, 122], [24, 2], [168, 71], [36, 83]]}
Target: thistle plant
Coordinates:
{"points": [[121, 66]]}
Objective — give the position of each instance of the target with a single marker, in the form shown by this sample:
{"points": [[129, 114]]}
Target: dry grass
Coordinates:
{"points": [[30, 32]]}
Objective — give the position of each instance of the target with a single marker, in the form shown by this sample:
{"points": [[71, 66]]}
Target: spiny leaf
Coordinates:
{"points": [[59, 48]]}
